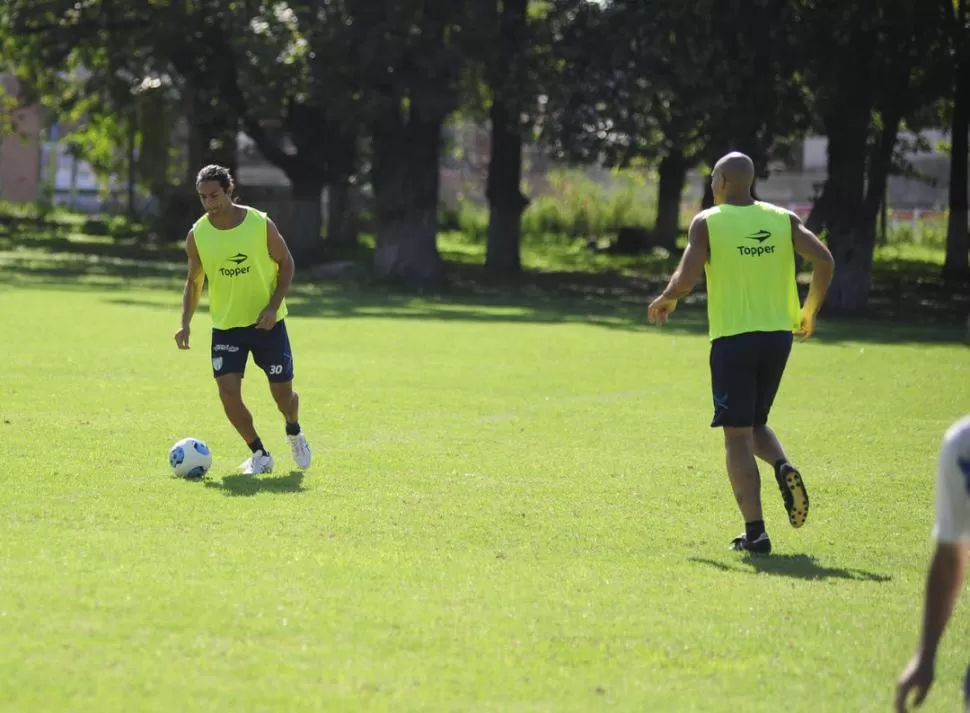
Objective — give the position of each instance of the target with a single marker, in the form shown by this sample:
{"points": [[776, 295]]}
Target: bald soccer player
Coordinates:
{"points": [[747, 249]]}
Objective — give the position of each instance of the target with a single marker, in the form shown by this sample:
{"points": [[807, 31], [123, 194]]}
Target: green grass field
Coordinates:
{"points": [[516, 505]]}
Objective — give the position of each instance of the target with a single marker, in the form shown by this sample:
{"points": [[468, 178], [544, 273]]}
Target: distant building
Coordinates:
{"points": [[802, 182], [20, 152]]}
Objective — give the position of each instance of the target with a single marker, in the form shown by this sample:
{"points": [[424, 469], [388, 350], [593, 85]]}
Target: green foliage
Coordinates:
{"points": [[562, 253], [644, 80], [926, 233], [574, 206], [579, 206], [38, 212], [113, 89], [101, 141], [467, 218], [621, 83], [8, 103], [15, 210]]}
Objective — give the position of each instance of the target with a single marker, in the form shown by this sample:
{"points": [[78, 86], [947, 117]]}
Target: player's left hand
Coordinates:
{"points": [[806, 326], [660, 309], [917, 677], [267, 319]]}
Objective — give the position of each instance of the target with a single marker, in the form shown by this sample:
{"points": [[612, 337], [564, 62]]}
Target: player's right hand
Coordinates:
{"points": [[182, 338], [660, 309], [916, 679]]}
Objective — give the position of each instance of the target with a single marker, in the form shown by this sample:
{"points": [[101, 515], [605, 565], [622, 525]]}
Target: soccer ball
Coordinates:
{"points": [[190, 458]]}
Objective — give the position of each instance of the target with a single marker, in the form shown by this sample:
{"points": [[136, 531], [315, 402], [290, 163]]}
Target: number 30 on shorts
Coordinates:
{"points": [[275, 369]]}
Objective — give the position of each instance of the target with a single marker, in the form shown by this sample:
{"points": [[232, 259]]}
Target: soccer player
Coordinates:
{"points": [[747, 249], [948, 567], [249, 268]]}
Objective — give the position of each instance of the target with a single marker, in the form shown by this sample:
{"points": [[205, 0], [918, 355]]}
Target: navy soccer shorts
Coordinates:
{"points": [[746, 371], [270, 349]]}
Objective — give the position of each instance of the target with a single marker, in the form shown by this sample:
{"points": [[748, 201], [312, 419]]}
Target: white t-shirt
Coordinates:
{"points": [[953, 485]]}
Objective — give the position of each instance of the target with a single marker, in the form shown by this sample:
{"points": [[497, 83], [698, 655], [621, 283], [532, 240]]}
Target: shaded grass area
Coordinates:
{"points": [[562, 280]]}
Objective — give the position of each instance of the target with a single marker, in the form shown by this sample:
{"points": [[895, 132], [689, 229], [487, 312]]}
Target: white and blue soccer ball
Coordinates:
{"points": [[190, 458]]}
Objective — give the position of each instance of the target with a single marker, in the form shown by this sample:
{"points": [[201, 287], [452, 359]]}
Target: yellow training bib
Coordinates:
{"points": [[242, 275], [750, 270]]}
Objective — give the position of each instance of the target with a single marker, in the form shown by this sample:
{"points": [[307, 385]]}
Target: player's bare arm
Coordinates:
{"points": [[280, 252], [943, 587], [686, 275], [814, 251], [192, 294]]}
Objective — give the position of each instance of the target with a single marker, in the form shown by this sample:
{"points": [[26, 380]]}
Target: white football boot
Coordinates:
{"points": [[300, 450], [259, 462]]}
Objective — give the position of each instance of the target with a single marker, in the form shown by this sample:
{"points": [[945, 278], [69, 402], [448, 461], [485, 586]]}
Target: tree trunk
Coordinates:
{"points": [[132, 162], [816, 216], [707, 199], [880, 163], [405, 180], [506, 202], [217, 132], [342, 213], [302, 226], [849, 206], [212, 136], [503, 190], [957, 262], [503, 240], [156, 119], [849, 292], [841, 211], [193, 142], [672, 175]]}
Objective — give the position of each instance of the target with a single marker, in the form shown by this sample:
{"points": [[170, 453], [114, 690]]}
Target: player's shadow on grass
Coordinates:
{"points": [[796, 566], [244, 485]]}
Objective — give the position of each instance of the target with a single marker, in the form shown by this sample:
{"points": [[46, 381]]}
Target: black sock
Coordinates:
{"points": [[754, 530], [778, 464], [292, 429], [257, 445]]}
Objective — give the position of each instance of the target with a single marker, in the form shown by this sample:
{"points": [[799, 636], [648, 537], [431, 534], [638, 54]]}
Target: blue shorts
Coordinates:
{"points": [[746, 371], [270, 349]]}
